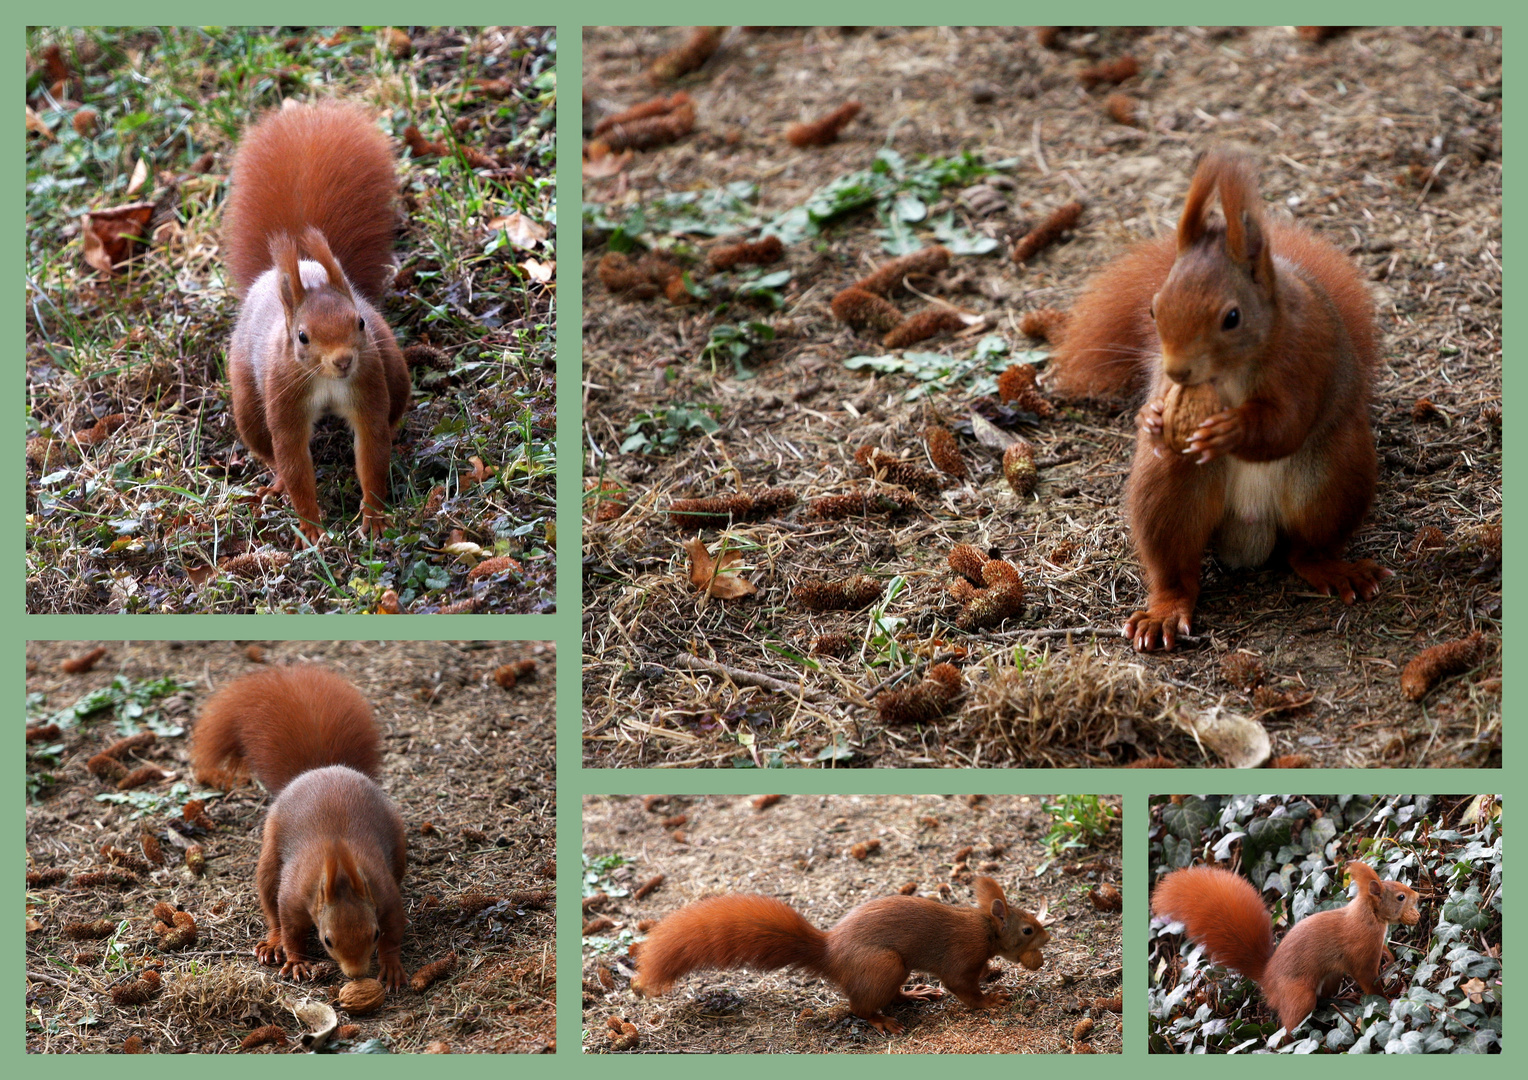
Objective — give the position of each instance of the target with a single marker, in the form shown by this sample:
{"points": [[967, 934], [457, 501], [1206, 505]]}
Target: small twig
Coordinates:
{"points": [[743, 677], [40, 977]]}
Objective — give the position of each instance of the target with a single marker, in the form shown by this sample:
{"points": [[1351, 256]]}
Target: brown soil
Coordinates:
{"points": [[798, 851], [471, 761], [1385, 141]]}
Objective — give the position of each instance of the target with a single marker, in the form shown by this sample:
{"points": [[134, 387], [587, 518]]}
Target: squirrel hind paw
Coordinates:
{"points": [[884, 1024], [1347, 580]]}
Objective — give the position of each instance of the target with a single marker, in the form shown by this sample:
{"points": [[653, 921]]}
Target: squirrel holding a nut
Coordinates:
{"points": [[867, 954], [1257, 339], [334, 849]]}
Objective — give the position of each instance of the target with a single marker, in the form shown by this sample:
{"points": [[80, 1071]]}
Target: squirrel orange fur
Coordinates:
{"points": [[867, 954], [334, 848], [1223, 912], [315, 181], [1283, 325]]}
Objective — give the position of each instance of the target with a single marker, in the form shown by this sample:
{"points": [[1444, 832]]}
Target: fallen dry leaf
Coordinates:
{"points": [[605, 165], [110, 236], [1240, 742], [716, 577], [140, 176], [537, 270], [521, 231]]}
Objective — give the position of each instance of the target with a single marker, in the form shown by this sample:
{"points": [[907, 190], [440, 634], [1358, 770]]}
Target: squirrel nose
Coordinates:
{"points": [[342, 362]]}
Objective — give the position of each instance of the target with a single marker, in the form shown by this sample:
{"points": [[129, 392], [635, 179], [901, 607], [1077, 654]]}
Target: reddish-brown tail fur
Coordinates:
{"points": [[325, 166], [728, 932], [1223, 912], [277, 723]]}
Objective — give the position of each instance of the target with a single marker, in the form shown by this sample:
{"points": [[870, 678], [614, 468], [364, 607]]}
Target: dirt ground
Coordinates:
{"points": [[471, 767], [798, 851], [1385, 141]]}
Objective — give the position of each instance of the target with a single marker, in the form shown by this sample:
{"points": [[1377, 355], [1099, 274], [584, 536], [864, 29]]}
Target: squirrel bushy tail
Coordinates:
{"points": [[313, 166], [729, 932], [277, 723], [1223, 912]]}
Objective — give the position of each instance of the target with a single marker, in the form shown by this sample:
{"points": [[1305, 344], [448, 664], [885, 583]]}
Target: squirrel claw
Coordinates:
{"points": [[921, 993], [1348, 581], [1154, 631], [301, 970], [885, 1024]]}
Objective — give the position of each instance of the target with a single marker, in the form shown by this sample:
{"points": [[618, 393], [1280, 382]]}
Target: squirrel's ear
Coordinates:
{"points": [[1192, 225], [288, 276], [318, 250], [999, 910]]}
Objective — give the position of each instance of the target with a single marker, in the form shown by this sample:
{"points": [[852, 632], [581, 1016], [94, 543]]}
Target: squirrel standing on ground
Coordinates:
{"points": [[1223, 912], [308, 234], [1278, 327], [334, 848], [867, 954]]}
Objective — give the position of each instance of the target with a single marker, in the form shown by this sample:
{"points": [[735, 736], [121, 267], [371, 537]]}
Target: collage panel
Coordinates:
{"points": [[1042, 397], [290, 319], [729, 924], [1387, 910], [290, 846]]}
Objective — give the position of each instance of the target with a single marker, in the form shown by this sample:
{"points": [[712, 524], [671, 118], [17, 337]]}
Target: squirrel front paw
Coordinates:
{"points": [[392, 973], [373, 524], [1217, 436], [1149, 419], [270, 952], [1157, 629], [309, 535], [299, 969]]}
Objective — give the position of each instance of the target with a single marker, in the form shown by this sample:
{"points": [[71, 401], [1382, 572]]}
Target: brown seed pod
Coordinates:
{"points": [[1082, 1029], [967, 560], [1157, 762], [1123, 109], [1061, 220], [1114, 72], [864, 849], [1291, 761], [1019, 468], [362, 996], [90, 931], [683, 59], [961, 590], [147, 774], [133, 1044], [892, 276], [720, 511], [626, 1038], [116, 879], [894, 470], [151, 849], [255, 564], [944, 451], [432, 973], [649, 885], [123, 746], [924, 702], [1047, 324], [863, 310], [824, 130], [850, 594], [137, 992], [347, 1031], [833, 644], [657, 106], [1243, 670], [106, 767], [677, 289], [125, 859], [746, 253], [1184, 408], [885, 503], [1431, 666], [437, 1047], [764, 802], [991, 606], [1115, 1004], [43, 732], [647, 134], [179, 933], [923, 325], [196, 860], [100, 431], [37, 879], [598, 925], [78, 665], [1016, 386], [1107, 897], [1000, 572], [269, 1035], [164, 912]]}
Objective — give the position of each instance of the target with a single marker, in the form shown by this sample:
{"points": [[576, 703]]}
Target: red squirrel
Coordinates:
{"points": [[867, 954], [1223, 912], [308, 234], [1282, 326], [334, 848]]}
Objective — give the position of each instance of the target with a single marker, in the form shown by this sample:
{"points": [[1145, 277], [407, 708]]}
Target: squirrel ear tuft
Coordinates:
{"points": [[288, 275]]}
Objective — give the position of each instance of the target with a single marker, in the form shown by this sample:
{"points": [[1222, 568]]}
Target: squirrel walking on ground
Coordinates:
{"points": [[1223, 912], [334, 848], [867, 955], [1270, 331], [308, 234]]}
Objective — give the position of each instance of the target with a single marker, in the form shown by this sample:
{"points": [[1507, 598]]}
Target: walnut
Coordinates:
{"points": [[362, 996], [1184, 409]]}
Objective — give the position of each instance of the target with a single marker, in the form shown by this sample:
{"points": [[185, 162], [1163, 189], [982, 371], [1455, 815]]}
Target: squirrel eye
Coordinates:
{"points": [[1232, 319], [302, 336], [328, 941], [376, 935], [361, 324]]}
